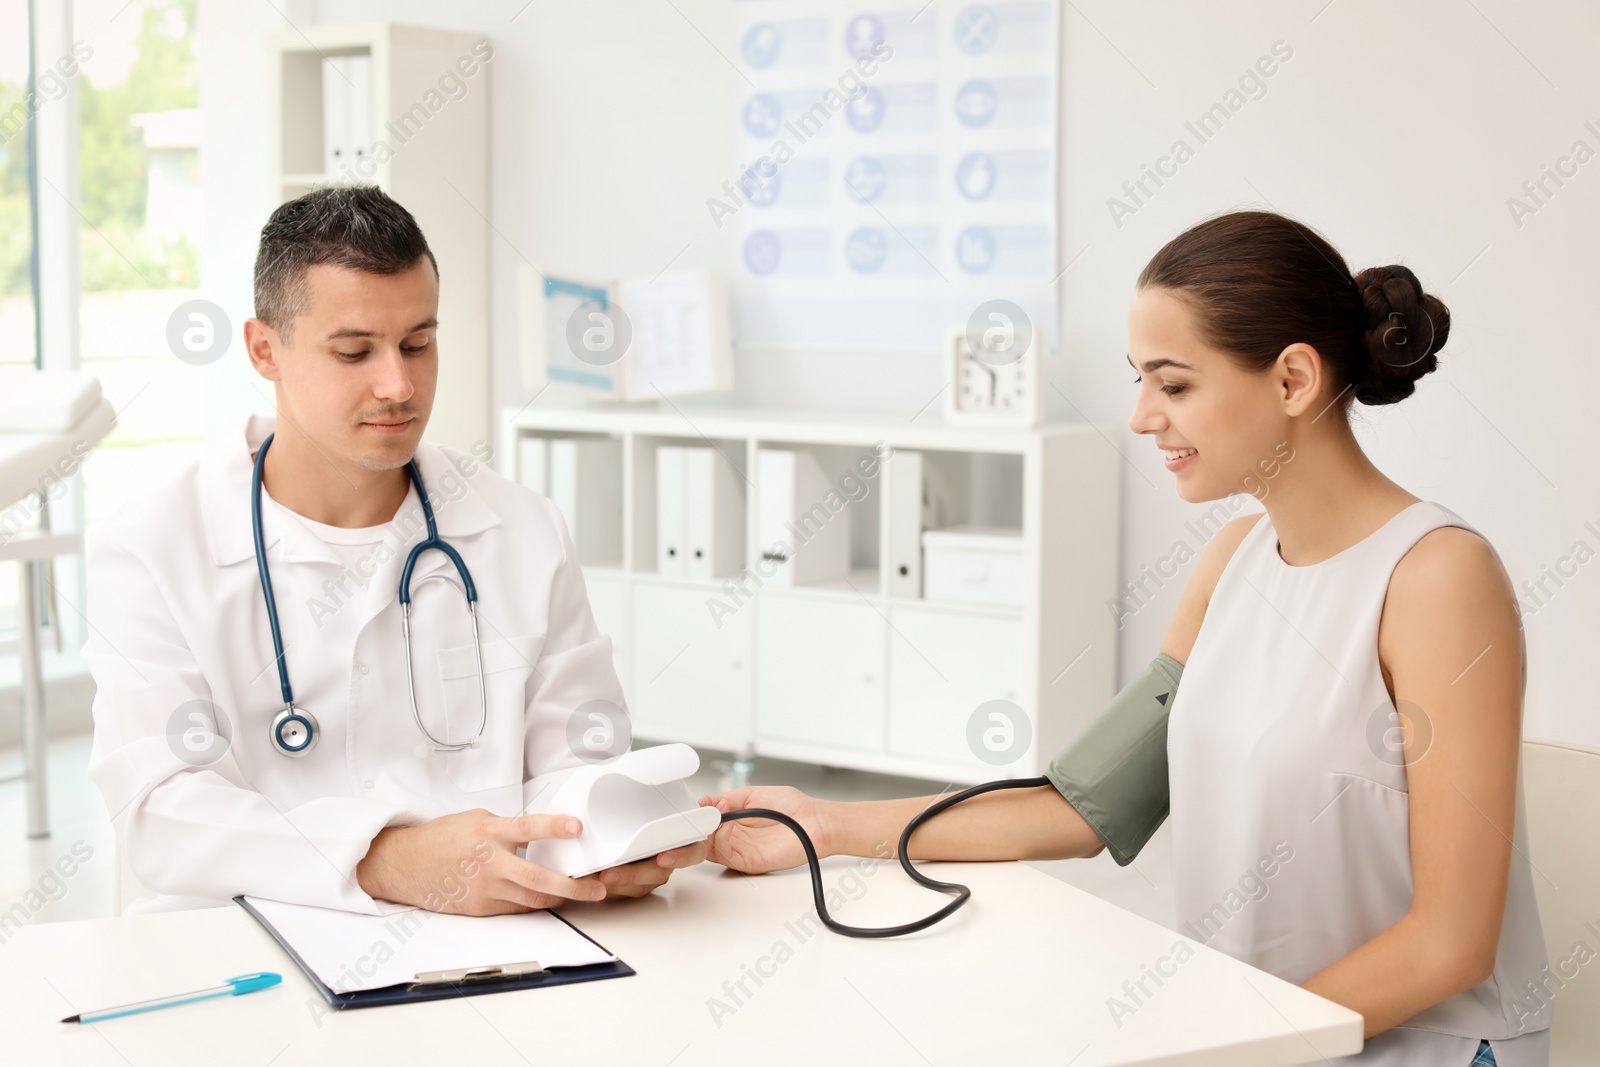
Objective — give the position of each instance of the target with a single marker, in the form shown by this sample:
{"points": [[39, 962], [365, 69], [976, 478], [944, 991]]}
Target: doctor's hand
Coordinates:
{"points": [[467, 864], [640, 878], [756, 846]]}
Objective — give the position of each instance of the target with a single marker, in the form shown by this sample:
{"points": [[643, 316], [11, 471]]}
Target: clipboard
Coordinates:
{"points": [[442, 985]]}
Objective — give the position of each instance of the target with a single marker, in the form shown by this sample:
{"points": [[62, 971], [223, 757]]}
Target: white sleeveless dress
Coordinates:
{"points": [[1289, 801]]}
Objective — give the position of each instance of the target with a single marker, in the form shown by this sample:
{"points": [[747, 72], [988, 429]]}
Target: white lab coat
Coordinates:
{"points": [[176, 615]]}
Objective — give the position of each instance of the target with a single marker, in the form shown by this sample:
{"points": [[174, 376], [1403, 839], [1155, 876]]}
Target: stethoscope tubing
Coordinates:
{"points": [[300, 720]]}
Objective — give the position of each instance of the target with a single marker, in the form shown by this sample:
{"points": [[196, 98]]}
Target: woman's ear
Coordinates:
{"points": [[1300, 378]]}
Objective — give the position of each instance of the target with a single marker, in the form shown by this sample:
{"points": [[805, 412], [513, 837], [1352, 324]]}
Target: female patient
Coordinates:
{"points": [[1352, 672]]}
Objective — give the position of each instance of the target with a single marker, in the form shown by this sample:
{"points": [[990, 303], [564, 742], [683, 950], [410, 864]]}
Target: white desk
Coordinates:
{"points": [[1022, 974]]}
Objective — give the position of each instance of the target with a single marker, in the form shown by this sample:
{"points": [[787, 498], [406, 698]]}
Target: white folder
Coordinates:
{"points": [[670, 528], [336, 115], [586, 484], [358, 128], [905, 523], [533, 464], [799, 539], [713, 511], [681, 334]]}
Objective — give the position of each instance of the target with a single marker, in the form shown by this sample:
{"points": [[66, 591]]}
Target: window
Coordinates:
{"points": [[132, 65], [18, 340], [140, 199], [18, 226]]}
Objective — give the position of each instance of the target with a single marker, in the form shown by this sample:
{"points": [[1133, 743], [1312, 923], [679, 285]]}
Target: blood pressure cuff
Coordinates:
{"points": [[1115, 772]]}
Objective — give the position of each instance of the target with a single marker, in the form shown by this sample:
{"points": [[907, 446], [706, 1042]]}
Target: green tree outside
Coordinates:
{"points": [[112, 165]]}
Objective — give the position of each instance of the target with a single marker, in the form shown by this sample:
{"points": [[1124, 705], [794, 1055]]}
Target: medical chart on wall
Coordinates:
{"points": [[895, 167]]}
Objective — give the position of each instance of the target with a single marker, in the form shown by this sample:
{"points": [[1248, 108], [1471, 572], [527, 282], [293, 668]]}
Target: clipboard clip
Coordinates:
{"points": [[479, 974]]}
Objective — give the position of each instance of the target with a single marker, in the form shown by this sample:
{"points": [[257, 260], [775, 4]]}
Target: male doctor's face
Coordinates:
{"points": [[356, 374]]}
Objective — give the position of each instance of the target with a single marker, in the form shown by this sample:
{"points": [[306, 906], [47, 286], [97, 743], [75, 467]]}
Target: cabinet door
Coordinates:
{"points": [[943, 664], [821, 678], [691, 678], [608, 602]]}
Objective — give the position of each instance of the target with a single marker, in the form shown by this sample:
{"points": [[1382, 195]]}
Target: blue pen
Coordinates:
{"points": [[244, 983]]}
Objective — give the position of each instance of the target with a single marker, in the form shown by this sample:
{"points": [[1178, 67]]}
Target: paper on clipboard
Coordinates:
{"points": [[351, 952]]}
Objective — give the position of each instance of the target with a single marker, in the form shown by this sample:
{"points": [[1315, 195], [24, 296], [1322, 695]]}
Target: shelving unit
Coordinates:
{"points": [[437, 167], [846, 673]]}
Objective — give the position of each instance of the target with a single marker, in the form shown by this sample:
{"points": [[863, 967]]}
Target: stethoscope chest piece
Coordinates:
{"points": [[294, 732]]}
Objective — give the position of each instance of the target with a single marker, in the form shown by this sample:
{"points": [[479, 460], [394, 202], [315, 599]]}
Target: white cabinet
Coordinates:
{"points": [[821, 671], [866, 670], [943, 664], [691, 676]]}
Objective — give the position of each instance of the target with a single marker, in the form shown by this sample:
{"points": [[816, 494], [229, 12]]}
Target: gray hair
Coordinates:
{"points": [[357, 226]]}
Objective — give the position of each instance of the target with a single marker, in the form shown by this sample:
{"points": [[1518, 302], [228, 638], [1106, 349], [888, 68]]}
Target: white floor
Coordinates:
{"points": [[31, 871], [33, 889]]}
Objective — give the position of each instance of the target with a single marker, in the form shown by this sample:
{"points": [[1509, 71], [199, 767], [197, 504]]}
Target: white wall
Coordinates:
{"points": [[1399, 130], [236, 185]]}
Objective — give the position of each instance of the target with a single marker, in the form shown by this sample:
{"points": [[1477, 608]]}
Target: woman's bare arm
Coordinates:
{"points": [[1009, 824], [1033, 823], [1450, 644], [1025, 823]]}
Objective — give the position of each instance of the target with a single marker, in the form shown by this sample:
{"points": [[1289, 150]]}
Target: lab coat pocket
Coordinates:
{"points": [[496, 761]]}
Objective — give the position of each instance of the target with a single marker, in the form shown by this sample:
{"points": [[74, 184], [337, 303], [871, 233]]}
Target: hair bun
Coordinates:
{"points": [[1403, 328]]}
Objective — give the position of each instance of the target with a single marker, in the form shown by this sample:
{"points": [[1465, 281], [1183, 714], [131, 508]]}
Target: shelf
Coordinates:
{"points": [[452, 148], [780, 427], [859, 670], [860, 582], [711, 587], [957, 607]]}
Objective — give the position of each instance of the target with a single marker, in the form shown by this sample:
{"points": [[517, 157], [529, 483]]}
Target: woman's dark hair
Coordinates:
{"points": [[1259, 282], [356, 226]]}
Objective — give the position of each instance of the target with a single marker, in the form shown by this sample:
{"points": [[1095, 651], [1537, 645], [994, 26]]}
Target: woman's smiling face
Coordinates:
{"points": [[1220, 420]]}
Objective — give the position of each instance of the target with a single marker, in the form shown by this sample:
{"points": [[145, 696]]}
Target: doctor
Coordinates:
{"points": [[363, 790]]}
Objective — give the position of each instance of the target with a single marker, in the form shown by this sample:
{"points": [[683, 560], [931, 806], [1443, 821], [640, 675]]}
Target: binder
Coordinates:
{"points": [[680, 333], [358, 121], [346, 116], [488, 977], [905, 523], [586, 485], [801, 541], [670, 528], [713, 515], [533, 464], [335, 115]]}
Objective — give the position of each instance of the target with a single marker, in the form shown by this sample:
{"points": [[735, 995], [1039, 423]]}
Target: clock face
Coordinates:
{"points": [[981, 386], [999, 391]]}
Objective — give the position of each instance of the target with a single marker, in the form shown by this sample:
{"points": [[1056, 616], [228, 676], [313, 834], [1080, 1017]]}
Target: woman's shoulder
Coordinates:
{"points": [[1448, 595], [1450, 553], [1450, 607], [1447, 566]]}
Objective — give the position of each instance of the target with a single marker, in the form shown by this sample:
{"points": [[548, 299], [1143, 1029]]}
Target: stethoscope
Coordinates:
{"points": [[294, 730]]}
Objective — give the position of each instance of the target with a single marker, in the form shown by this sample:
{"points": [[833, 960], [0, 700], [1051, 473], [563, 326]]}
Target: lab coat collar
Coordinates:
{"points": [[460, 510]]}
